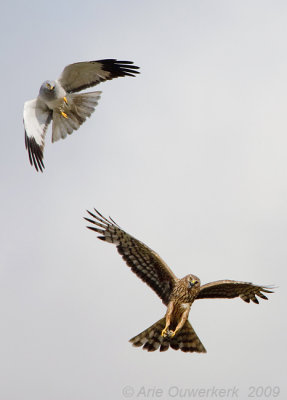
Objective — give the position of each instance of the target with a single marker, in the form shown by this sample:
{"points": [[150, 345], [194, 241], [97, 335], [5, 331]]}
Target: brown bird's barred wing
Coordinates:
{"points": [[144, 262], [82, 75], [185, 340], [230, 289]]}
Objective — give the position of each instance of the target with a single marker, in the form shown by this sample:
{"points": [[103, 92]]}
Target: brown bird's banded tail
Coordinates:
{"points": [[72, 112], [186, 339]]}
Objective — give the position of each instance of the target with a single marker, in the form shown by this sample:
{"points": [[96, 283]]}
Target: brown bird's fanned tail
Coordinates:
{"points": [[185, 340]]}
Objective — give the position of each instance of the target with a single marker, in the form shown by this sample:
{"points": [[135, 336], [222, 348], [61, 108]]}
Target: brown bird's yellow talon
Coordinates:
{"points": [[65, 100], [64, 114], [164, 332]]}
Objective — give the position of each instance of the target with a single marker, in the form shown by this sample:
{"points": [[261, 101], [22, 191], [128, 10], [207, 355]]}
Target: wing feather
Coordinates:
{"points": [[143, 261], [36, 118], [231, 289], [82, 75], [78, 108]]}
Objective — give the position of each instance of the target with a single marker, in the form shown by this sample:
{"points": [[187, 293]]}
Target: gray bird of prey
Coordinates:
{"points": [[58, 101]]}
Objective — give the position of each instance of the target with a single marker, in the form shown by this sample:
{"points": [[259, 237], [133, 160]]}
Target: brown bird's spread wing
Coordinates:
{"points": [[230, 289], [82, 75], [143, 261]]}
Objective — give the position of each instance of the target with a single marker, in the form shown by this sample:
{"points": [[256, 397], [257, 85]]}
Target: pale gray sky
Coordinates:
{"points": [[189, 157]]}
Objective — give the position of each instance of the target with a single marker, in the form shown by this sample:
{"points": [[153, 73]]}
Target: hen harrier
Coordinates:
{"points": [[57, 101], [173, 330]]}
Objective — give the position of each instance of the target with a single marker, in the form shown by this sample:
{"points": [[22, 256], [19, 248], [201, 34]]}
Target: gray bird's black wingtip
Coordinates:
{"points": [[35, 153], [118, 68]]}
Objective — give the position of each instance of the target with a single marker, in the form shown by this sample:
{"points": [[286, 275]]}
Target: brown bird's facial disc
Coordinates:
{"points": [[193, 281]]}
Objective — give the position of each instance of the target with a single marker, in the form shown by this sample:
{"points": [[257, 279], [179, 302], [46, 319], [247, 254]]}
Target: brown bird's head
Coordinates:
{"points": [[186, 289], [193, 282]]}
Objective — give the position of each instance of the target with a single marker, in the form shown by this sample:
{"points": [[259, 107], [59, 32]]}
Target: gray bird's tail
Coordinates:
{"points": [[70, 114], [186, 339]]}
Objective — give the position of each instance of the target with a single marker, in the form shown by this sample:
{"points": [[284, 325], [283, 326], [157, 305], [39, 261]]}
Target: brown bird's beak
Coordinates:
{"points": [[191, 283]]}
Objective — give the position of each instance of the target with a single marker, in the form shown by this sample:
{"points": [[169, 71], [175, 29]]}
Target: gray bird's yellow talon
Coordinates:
{"points": [[64, 114]]}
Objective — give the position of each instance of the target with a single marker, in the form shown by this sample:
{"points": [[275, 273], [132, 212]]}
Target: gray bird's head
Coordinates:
{"points": [[48, 90]]}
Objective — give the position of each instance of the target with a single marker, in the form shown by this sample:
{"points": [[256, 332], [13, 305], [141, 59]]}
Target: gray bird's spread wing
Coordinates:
{"points": [[82, 75], [231, 289], [143, 261], [36, 117], [79, 107]]}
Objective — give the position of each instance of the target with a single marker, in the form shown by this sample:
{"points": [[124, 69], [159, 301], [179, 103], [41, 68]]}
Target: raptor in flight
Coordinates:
{"points": [[58, 101], [174, 330]]}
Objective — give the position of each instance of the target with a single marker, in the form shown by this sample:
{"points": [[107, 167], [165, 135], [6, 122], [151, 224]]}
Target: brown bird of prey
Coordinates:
{"points": [[173, 330], [58, 101]]}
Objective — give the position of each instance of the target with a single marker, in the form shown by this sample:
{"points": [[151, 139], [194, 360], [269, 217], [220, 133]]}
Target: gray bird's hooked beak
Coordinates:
{"points": [[50, 87]]}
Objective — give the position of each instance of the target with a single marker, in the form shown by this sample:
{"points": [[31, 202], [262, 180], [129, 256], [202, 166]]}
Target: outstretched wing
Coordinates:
{"points": [[36, 118], [82, 75], [143, 261], [231, 289], [79, 106]]}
